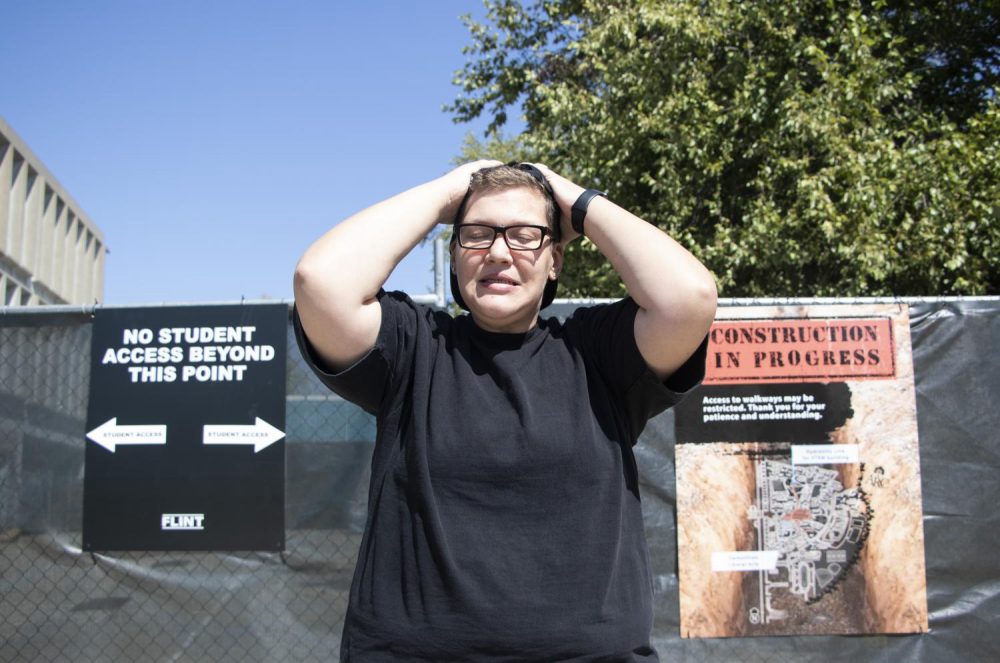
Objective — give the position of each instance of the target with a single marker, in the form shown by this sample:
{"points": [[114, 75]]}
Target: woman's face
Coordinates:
{"points": [[503, 288]]}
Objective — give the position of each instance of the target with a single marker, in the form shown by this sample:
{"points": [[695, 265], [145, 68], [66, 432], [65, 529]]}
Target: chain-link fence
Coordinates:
{"points": [[58, 603]]}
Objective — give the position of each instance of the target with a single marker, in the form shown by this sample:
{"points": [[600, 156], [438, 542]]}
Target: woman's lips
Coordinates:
{"points": [[498, 283]]}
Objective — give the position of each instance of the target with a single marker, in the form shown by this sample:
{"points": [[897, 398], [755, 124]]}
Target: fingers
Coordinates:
{"points": [[464, 172], [457, 183], [566, 193], [472, 166]]}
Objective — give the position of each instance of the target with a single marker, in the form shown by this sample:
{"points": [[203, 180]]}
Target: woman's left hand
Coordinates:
{"points": [[566, 193]]}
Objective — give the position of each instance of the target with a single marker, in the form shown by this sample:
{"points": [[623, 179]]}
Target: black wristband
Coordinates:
{"points": [[579, 211]]}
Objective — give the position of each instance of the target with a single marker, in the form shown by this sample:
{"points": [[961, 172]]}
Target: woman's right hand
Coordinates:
{"points": [[456, 184]]}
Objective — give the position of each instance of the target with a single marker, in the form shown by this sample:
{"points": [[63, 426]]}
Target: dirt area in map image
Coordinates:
{"points": [[716, 491], [893, 557]]}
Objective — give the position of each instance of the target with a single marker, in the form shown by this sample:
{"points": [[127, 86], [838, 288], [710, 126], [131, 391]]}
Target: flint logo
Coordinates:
{"points": [[182, 521]]}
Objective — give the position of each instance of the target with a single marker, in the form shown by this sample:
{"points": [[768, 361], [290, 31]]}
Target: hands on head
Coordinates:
{"points": [[564, 191], [338, 278]]}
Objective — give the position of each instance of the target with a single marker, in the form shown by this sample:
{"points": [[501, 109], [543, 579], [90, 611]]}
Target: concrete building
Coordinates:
{"points": [[50, 251]]}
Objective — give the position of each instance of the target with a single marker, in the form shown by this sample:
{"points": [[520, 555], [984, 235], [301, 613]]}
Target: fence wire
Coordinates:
{"points": [[59, 603]]}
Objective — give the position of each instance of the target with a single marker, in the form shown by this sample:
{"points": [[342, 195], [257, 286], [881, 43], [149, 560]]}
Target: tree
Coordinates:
{"points": [[811, 148], [955, 48]]}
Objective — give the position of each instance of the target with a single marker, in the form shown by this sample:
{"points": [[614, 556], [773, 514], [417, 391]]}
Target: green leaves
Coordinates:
{"points": [[796, 148]]}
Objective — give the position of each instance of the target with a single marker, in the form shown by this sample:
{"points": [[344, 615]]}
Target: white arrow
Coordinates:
{"points": [[261, 434], [110, 434]]}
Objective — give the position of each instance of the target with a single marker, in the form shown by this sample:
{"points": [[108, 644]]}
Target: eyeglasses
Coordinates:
{"points": [[518, 238]]}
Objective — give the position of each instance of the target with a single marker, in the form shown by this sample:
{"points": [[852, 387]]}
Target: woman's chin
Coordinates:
{"points": [[502, 313]]}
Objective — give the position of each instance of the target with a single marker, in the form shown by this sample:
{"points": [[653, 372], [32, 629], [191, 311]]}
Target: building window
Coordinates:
{"points": [[16, 169]]}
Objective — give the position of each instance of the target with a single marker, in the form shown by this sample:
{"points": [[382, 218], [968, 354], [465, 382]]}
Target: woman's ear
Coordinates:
{"points": [[557, 260]]}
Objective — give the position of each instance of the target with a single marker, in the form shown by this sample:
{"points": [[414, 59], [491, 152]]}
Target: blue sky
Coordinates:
{"points": [[212, 141]]}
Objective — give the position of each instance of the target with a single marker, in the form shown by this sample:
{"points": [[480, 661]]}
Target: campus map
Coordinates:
{"points": [[817, 526]]}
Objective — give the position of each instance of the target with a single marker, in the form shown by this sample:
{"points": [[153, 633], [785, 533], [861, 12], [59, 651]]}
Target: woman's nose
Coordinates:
{"points": [[499, 251]]}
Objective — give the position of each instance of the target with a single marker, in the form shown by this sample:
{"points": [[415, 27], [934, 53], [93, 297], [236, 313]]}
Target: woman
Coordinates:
{"points": [[504, 520]]}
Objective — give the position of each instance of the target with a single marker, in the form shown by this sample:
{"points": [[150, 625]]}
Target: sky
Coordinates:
{"points": [[213, 141]]}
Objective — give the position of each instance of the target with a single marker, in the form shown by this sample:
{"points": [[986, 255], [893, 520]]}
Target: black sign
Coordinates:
{"points": [[185, 429], [795, 412]]}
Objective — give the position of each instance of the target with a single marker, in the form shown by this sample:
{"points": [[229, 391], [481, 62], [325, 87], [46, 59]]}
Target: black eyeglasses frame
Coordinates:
{"points": [[501, 230]]}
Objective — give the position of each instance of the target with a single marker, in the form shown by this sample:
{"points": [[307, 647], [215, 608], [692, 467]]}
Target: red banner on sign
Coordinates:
{"points": [[800, 350]]}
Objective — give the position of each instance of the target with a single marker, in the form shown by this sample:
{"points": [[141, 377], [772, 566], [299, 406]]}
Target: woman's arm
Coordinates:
{"points": [[676, 294], [338, 277]]}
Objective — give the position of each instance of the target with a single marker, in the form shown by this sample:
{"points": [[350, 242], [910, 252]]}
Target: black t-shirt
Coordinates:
{"points": [[504, 521]]}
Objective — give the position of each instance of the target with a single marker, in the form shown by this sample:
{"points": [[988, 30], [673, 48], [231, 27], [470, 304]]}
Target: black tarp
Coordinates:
{"points": [[59, 603]]}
